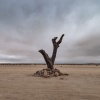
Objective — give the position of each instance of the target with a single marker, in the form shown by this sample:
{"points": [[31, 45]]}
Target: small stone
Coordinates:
{"points": [[56, 74], [61, 78], [65, 74], [45, 73]]}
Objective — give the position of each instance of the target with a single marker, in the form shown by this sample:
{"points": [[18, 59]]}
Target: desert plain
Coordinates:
{"points": [[18, 83]]}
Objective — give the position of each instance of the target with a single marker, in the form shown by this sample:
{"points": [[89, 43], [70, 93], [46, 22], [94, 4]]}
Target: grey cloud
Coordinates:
{"points": [[29, 25], [88, 47]]}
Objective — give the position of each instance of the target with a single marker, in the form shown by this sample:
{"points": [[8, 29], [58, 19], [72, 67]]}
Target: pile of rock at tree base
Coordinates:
{"points": [[48, 73]]}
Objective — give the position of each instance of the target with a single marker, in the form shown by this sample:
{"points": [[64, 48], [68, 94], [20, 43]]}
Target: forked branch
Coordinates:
{"points": [[50, 61]]}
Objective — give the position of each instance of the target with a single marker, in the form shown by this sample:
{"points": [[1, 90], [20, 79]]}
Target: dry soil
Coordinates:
{"points": [[17, 83]]}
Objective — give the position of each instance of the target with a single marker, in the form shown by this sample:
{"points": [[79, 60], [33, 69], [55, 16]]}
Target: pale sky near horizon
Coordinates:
{"points": [[27, 26]]}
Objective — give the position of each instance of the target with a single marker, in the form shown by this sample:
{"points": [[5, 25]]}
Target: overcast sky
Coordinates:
{"points": [[27, 26]]}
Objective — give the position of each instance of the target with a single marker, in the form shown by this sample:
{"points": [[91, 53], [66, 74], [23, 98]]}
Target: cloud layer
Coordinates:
{"points": [[29, 25]]}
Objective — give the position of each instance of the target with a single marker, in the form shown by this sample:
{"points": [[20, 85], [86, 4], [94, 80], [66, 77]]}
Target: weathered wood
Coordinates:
{"points": [[50, 60], [46, 58]]}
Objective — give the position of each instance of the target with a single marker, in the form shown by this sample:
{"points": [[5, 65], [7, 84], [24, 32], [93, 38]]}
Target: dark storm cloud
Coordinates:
{"points": [[88, 47], [29, 25]]}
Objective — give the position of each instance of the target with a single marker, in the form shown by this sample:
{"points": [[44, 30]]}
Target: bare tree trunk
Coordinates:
{"points": [[50, 60]]}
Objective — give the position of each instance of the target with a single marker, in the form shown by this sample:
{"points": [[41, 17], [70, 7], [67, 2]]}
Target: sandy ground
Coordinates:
{"points": [[17, 83]]}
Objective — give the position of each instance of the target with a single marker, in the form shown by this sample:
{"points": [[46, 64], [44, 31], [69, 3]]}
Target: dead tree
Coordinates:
{"points": [[50, 60]]}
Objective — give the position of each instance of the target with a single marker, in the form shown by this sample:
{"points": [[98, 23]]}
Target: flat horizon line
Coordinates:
{"points": [[45, 64]]}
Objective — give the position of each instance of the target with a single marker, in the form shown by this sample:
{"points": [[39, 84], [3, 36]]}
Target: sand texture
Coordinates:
{"points": [[17, 83]]}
